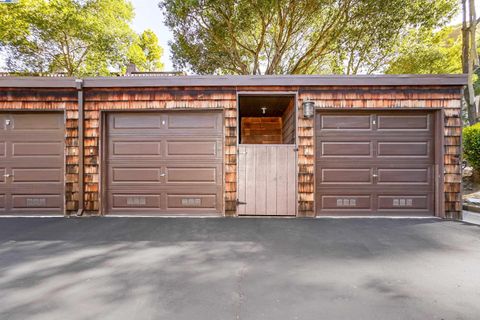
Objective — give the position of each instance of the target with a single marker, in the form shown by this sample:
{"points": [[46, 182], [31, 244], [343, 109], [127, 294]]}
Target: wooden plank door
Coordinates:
{"points": [[266, 180]]}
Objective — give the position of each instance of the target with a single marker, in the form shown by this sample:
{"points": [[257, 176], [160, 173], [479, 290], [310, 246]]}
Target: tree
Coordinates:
{"points": [[145, 52], [469, 56], [428, 52], [290, 36], [77, 37]]}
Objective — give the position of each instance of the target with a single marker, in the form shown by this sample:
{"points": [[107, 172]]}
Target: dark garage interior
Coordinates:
{"points": [[267, 119]]}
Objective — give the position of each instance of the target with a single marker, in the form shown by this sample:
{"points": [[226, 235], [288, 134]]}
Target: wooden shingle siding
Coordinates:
{"points": [[448, 98], [288, 125]]}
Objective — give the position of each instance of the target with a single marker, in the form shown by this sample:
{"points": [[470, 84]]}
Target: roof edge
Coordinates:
{"points": [[236, 81], [37, 82]]}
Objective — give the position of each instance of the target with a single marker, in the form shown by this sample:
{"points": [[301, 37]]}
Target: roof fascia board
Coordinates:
{"points": [[238, 81]]}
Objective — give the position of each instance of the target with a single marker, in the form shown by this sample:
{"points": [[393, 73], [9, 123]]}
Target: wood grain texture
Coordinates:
{"points": [[266, 182], [261, 130]]}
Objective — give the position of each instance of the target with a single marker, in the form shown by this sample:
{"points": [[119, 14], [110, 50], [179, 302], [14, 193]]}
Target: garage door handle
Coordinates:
{"points": [[163, 174], [8, 175], [375, 175]]}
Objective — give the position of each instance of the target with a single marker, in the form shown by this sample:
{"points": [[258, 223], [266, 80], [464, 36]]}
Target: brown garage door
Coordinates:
{"points": [[375, 163], [164, 163], [31, 163]]}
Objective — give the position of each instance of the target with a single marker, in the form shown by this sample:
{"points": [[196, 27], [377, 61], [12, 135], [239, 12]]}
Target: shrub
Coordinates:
{"points": [[471, 145]]}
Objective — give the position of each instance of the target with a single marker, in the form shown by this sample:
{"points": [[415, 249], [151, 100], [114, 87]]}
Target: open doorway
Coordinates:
{"points": [[266, 119], [267, 166]]}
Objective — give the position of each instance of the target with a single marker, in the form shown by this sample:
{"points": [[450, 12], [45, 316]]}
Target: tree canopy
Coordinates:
{"points": [[145, 52], [295, 37], [429, 52], [78, 37]]}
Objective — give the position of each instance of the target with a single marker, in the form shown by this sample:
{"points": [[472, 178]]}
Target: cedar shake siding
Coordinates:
{"points": [[441, 94]]}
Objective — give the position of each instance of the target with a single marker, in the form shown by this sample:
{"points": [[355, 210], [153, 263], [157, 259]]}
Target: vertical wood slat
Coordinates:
{"points": [[271, 180], [241, 184], [282, 183], [291, 182], [260, 180], [250, 175]]}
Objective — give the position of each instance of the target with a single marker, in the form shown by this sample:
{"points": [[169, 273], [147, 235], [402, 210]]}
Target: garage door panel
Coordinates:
{"points": [[3, 149], [37, 175], [3, 124], [40, 122], [359, 122], [346, 149], [37, 149], [417, 122], [346, 202], [137, 121], [184, 122], [135, 202], [407, 176], [192, 149], [2, 202], [191, 201], [346, 176], [50, 188], [135, 148], [135, 175], [36, 202], [404, 149], [192, 174], [405, 203], [127, 188]]}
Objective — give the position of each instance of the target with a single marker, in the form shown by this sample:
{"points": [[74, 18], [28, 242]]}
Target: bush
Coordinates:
{"points": [[471, 145]]}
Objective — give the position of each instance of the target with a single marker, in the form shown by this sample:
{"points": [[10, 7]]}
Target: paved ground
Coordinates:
{"points": [[195, 269], [471, 217]]}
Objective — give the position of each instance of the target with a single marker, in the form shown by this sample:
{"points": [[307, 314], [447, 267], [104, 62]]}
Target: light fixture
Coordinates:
{"points": [[264, 109], [308, 108]]}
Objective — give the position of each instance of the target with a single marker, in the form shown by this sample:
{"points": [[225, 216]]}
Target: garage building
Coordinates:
{"points": [[305, 146]]}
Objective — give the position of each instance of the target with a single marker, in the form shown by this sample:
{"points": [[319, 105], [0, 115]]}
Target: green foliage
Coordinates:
{"points": [[79, 37], [145, 52], [289, 36], [427, 52], [471, 145]]}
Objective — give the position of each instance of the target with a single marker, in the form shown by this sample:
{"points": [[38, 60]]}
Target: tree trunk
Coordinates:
{"points": [[469, 56]]}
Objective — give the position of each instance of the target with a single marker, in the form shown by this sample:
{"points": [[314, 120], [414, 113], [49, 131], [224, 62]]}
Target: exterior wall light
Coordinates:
{"points": [[308, 108]]}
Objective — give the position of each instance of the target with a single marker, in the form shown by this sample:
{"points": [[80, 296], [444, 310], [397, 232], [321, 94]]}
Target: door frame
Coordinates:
{"points": [[439, 175], [103, 143], [294, 94]]}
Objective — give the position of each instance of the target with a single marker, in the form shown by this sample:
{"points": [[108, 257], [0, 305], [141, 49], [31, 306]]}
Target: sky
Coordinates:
{"points": [[149, 16]]}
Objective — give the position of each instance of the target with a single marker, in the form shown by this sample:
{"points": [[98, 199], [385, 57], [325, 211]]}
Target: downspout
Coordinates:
{"points": [[81, 118]]}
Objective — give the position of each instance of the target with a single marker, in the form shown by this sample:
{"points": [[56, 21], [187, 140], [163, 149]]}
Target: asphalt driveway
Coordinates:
{"points": [[195, 269]]}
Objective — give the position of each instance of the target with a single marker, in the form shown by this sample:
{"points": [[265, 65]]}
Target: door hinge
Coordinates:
{"points": [[240, 202]]}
